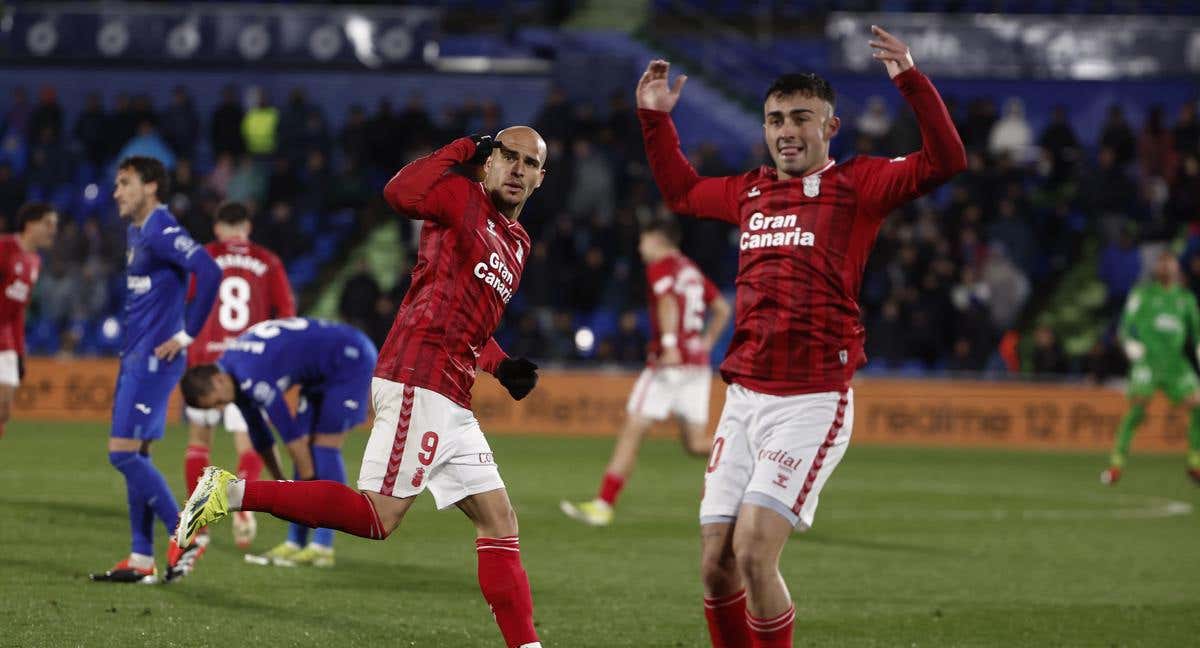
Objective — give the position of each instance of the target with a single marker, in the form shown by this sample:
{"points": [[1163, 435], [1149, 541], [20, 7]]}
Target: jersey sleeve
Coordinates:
{"points": [[491, 356], [426, 189], [882, 183], [283, 303], [684, 190], [660, 278], [260, 433], [173, 245]]}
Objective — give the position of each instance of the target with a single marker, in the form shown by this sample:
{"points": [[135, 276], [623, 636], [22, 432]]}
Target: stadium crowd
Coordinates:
{"points": [[951, 274]]}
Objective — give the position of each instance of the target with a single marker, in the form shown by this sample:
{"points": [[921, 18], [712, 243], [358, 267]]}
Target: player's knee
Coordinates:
{"points": [[755, 558], [500, 525], [719, 573]]}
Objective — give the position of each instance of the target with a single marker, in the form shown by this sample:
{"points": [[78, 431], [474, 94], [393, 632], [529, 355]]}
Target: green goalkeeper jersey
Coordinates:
{"points": [[1161, 318]]}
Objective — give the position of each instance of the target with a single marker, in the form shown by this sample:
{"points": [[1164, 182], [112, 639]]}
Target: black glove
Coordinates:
{"points": [[518, 376], [483, 149], [20, 367]]}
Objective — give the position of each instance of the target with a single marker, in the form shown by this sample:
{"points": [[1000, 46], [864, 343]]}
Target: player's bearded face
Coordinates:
{"points": [[515, 169], [797, 130], [131, 194]]}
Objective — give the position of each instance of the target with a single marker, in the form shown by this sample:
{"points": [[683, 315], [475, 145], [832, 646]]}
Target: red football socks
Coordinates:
{"points": [[194, 461], [505, 587], [775, 632], [610, 488], [726, 616], [250, 466], [316, 504]]}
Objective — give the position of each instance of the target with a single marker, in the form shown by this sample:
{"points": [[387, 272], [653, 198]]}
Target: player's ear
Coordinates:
{"points": [[541, 178], [832, 126]]}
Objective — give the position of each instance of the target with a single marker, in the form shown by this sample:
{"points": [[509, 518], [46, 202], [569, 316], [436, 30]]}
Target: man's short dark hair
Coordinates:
{"points": [[32, 212], [197, 382], [233, 213], [665, 226], [149, 170], [804, 83]]}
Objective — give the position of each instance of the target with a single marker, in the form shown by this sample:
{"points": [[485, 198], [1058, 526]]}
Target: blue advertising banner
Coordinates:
{"points": [[1027, 46]]}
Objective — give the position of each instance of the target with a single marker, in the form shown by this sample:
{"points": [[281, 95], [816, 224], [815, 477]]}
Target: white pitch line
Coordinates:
{"points": [[1156, 507]]}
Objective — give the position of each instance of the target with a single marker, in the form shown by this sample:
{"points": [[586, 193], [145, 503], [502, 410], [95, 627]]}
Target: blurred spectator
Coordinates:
{"points": [[981, 117], [1007, 288], [357, 304], [554, 121], [1118, 136], [417, 126], [149, 143], [384, 143], [592, 190], [180, 124], [292, 118], [1059, 139], [1120, 268], [1047, 357], [1011, 136], [143, 110], [122, 125], [1156, 152], [49, 161], [247, 184], [12, 195], [226, 134], [16, 118], [90, 128], [260, 125], [282, 185], [1183, 205], [628, 345], [1186, 133], [1014, 234], [47, 115], [353, 137], [221, 175], [875, 121]]}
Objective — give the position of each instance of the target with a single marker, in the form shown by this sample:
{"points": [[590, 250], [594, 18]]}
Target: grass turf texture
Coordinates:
{"points": [[912, 547]]}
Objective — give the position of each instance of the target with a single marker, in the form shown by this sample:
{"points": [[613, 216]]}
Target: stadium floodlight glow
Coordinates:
{"points": [[42, 38], [91, 191], [585, 340], [111, 328], [360, 32], [396, 44]]}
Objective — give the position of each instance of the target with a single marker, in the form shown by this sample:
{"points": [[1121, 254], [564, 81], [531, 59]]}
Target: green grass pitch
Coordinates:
{"points": [[912, 547]]}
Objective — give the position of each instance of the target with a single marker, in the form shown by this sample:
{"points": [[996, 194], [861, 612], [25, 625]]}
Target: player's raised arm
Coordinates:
{"points": [[421, 190], [887, 183], [1134, 349], [684, 190], [518, 376]]}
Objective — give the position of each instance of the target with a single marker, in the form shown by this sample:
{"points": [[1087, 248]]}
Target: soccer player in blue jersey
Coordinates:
{"points": [[160, 255], [332, 364]]}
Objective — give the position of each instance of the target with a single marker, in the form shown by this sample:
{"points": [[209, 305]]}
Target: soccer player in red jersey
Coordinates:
{"points": [[677, 378], [37, 224], [471, 254], [254, 288], [807, 227]]}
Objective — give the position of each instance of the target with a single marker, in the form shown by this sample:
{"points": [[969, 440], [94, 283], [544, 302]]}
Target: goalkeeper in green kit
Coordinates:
{"points": [[1158, 319]]}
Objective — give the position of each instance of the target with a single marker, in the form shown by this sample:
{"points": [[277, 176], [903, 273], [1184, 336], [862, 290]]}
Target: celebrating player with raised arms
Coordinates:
{"points": [[471, 254], [807, 227], [332, 365], [37, 225], [254, 288], [160, 256], [687, 315]]}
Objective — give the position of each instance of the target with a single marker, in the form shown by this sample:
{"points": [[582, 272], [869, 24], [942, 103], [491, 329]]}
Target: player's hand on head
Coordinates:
{"points": [[891, 51], [653, 90], [484, 144], [519, 376]]}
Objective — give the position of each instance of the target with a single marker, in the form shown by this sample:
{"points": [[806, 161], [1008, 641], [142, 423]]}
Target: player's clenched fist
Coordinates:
{"points": [[892, 51], [518, 376], [653, 91]]}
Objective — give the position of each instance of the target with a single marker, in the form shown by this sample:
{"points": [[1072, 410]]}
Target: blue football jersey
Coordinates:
{"points": [[159, 257], [272, 356]]}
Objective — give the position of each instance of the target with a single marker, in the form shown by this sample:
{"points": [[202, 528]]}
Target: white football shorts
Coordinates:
{"points": [[662, 391], [421, 440], [9, 372], [776, 452]]}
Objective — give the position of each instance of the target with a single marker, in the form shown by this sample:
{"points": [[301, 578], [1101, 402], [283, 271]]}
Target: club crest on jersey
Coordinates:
{"points": [[812, 185]]}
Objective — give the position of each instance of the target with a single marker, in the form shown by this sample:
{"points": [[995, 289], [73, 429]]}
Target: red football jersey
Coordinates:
{"points": [[18, 274], [677, 278], [469, 263], [804, 243], [254, 288]]}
